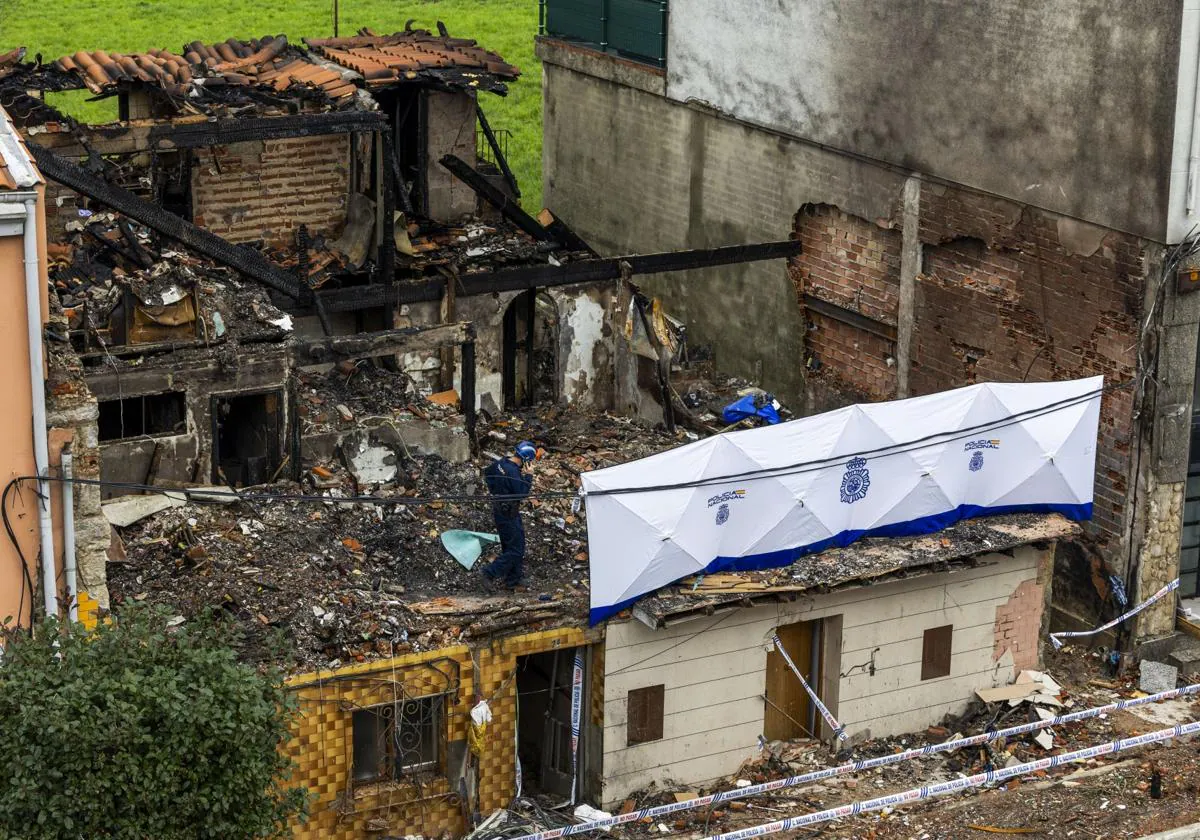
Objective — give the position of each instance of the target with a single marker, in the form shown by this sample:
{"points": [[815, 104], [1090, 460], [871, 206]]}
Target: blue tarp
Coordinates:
{"points": [[763, 406]]}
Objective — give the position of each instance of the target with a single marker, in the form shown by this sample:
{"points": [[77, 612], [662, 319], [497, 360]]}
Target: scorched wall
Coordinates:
{"points": [[265, 189]]}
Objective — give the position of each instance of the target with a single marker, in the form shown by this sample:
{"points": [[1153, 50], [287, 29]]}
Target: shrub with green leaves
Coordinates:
{"points": [[140, 730]]}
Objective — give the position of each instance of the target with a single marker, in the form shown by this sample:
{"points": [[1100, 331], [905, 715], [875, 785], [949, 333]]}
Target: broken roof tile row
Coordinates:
{"points": [[381, 59], [271, 62], [266, 61]]}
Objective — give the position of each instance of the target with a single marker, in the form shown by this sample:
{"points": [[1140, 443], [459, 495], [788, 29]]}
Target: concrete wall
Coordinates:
{"points": [[450, 121], [714, 668], [633, 172], [1067, 105], [265, 189]]}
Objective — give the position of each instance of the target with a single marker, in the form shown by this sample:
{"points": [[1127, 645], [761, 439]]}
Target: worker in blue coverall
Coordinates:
{"points": [[509, 480]]}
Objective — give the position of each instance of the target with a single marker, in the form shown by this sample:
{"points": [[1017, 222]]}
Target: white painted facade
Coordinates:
{"points": [[714, 668]]}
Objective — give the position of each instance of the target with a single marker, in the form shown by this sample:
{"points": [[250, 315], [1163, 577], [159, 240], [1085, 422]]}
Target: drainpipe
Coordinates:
{"points": [[41, 444], [68, 509]]}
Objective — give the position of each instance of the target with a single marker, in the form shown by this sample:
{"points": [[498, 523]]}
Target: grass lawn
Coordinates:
{"points": [[504, 26]]}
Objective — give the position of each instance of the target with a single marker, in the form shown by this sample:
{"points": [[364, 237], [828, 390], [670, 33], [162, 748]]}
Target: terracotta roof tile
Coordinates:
{"points": [[260, 61], [385, 59]]}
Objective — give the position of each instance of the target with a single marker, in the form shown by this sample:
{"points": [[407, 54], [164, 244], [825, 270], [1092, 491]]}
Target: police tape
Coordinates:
{"points": [[857, 766], [962, 783], [1056, 638], [576, 715], [838, 729]]}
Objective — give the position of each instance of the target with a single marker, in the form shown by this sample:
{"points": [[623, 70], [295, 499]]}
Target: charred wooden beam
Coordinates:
{"points": [[383, 343], [849, 316], [245, 260], [506, 204], [547, 276]]}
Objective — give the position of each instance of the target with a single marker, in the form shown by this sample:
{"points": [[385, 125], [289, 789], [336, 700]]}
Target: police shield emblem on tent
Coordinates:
{"points": [[889, 469]]}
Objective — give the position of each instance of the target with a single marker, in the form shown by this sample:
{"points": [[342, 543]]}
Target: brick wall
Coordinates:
{"points": [[1002, 298], [267, 189], [854, 264], [1018, 626]]}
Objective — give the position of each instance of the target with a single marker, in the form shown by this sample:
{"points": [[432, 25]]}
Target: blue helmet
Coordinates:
{"points": [[526, 451]]}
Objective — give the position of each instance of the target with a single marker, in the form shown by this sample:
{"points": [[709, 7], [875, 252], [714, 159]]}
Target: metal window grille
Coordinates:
{"points": [[635, 29], [393, 740]]}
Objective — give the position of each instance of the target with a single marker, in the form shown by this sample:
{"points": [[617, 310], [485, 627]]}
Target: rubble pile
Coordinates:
{"points": [[354, 391], [349, 582], [474, 246], [117, 288]]}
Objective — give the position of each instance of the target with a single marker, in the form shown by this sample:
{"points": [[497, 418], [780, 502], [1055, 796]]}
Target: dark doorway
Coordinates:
{"points": [[544, 682], [247, 440], [405, 107], [530, 353]]}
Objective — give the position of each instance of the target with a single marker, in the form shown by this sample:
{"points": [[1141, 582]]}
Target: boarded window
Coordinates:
{"points": [[645, 715], [935, 654]]}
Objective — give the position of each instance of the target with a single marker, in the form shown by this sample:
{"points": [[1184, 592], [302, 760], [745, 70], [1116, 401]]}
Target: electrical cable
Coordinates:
{"points": [[891, 449], [712, 626], [798, 468], [26, 579]]}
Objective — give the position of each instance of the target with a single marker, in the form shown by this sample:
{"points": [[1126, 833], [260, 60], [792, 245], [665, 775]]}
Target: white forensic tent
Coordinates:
{"points": [[765, 497]]}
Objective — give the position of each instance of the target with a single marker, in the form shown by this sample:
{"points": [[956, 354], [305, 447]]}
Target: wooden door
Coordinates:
{"points": [[786, 715]]}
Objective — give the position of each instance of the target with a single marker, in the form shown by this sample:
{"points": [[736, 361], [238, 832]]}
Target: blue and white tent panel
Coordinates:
{"points": [[765, 497]]}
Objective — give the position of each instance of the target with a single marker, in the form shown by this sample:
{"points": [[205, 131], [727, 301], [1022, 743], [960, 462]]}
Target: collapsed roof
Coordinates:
{"points": [[269, 73]]}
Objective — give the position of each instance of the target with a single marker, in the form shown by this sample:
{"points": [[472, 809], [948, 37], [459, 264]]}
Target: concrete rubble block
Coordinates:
{"points": [[1186, 659], [130, 509], [419, 438], [1158, 676], [369, 462]]}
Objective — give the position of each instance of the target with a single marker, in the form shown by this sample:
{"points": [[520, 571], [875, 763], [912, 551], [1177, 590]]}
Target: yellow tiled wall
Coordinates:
{"points": [[321, 746]]}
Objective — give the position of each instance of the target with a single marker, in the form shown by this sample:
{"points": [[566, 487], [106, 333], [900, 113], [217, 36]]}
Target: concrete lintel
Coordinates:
{"points": [[601, 65]]}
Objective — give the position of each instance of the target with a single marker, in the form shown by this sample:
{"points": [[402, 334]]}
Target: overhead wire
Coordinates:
{"points": [[798, 468], [200, 494]]}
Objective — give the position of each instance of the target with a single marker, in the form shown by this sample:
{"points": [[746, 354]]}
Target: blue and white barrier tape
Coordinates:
{"points": [[576, 715], [857, 766], [930, 791], [838, 729], [1056, 638]]}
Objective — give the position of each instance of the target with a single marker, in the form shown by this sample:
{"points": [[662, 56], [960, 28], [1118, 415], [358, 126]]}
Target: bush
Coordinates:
{"points": [[138, 730]]}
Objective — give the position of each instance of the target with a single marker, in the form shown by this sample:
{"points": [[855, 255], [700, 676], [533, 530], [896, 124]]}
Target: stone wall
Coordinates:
{"points": [[1160, 556]]}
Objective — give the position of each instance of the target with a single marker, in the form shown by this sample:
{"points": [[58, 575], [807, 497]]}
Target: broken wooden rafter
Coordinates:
{"points": [[849, 316], [384, 343], [548, 276], [240, 258], [506, 204]]}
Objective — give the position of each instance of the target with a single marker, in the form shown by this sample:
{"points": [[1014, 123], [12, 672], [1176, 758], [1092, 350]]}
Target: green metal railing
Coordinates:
{"points": [[635, 29]]}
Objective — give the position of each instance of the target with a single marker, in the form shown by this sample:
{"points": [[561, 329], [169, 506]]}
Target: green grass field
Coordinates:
{"points": [[505, 26]]}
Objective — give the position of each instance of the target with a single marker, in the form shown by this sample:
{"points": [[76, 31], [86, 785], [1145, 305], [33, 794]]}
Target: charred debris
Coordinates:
{"points": [[301, 273]]}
